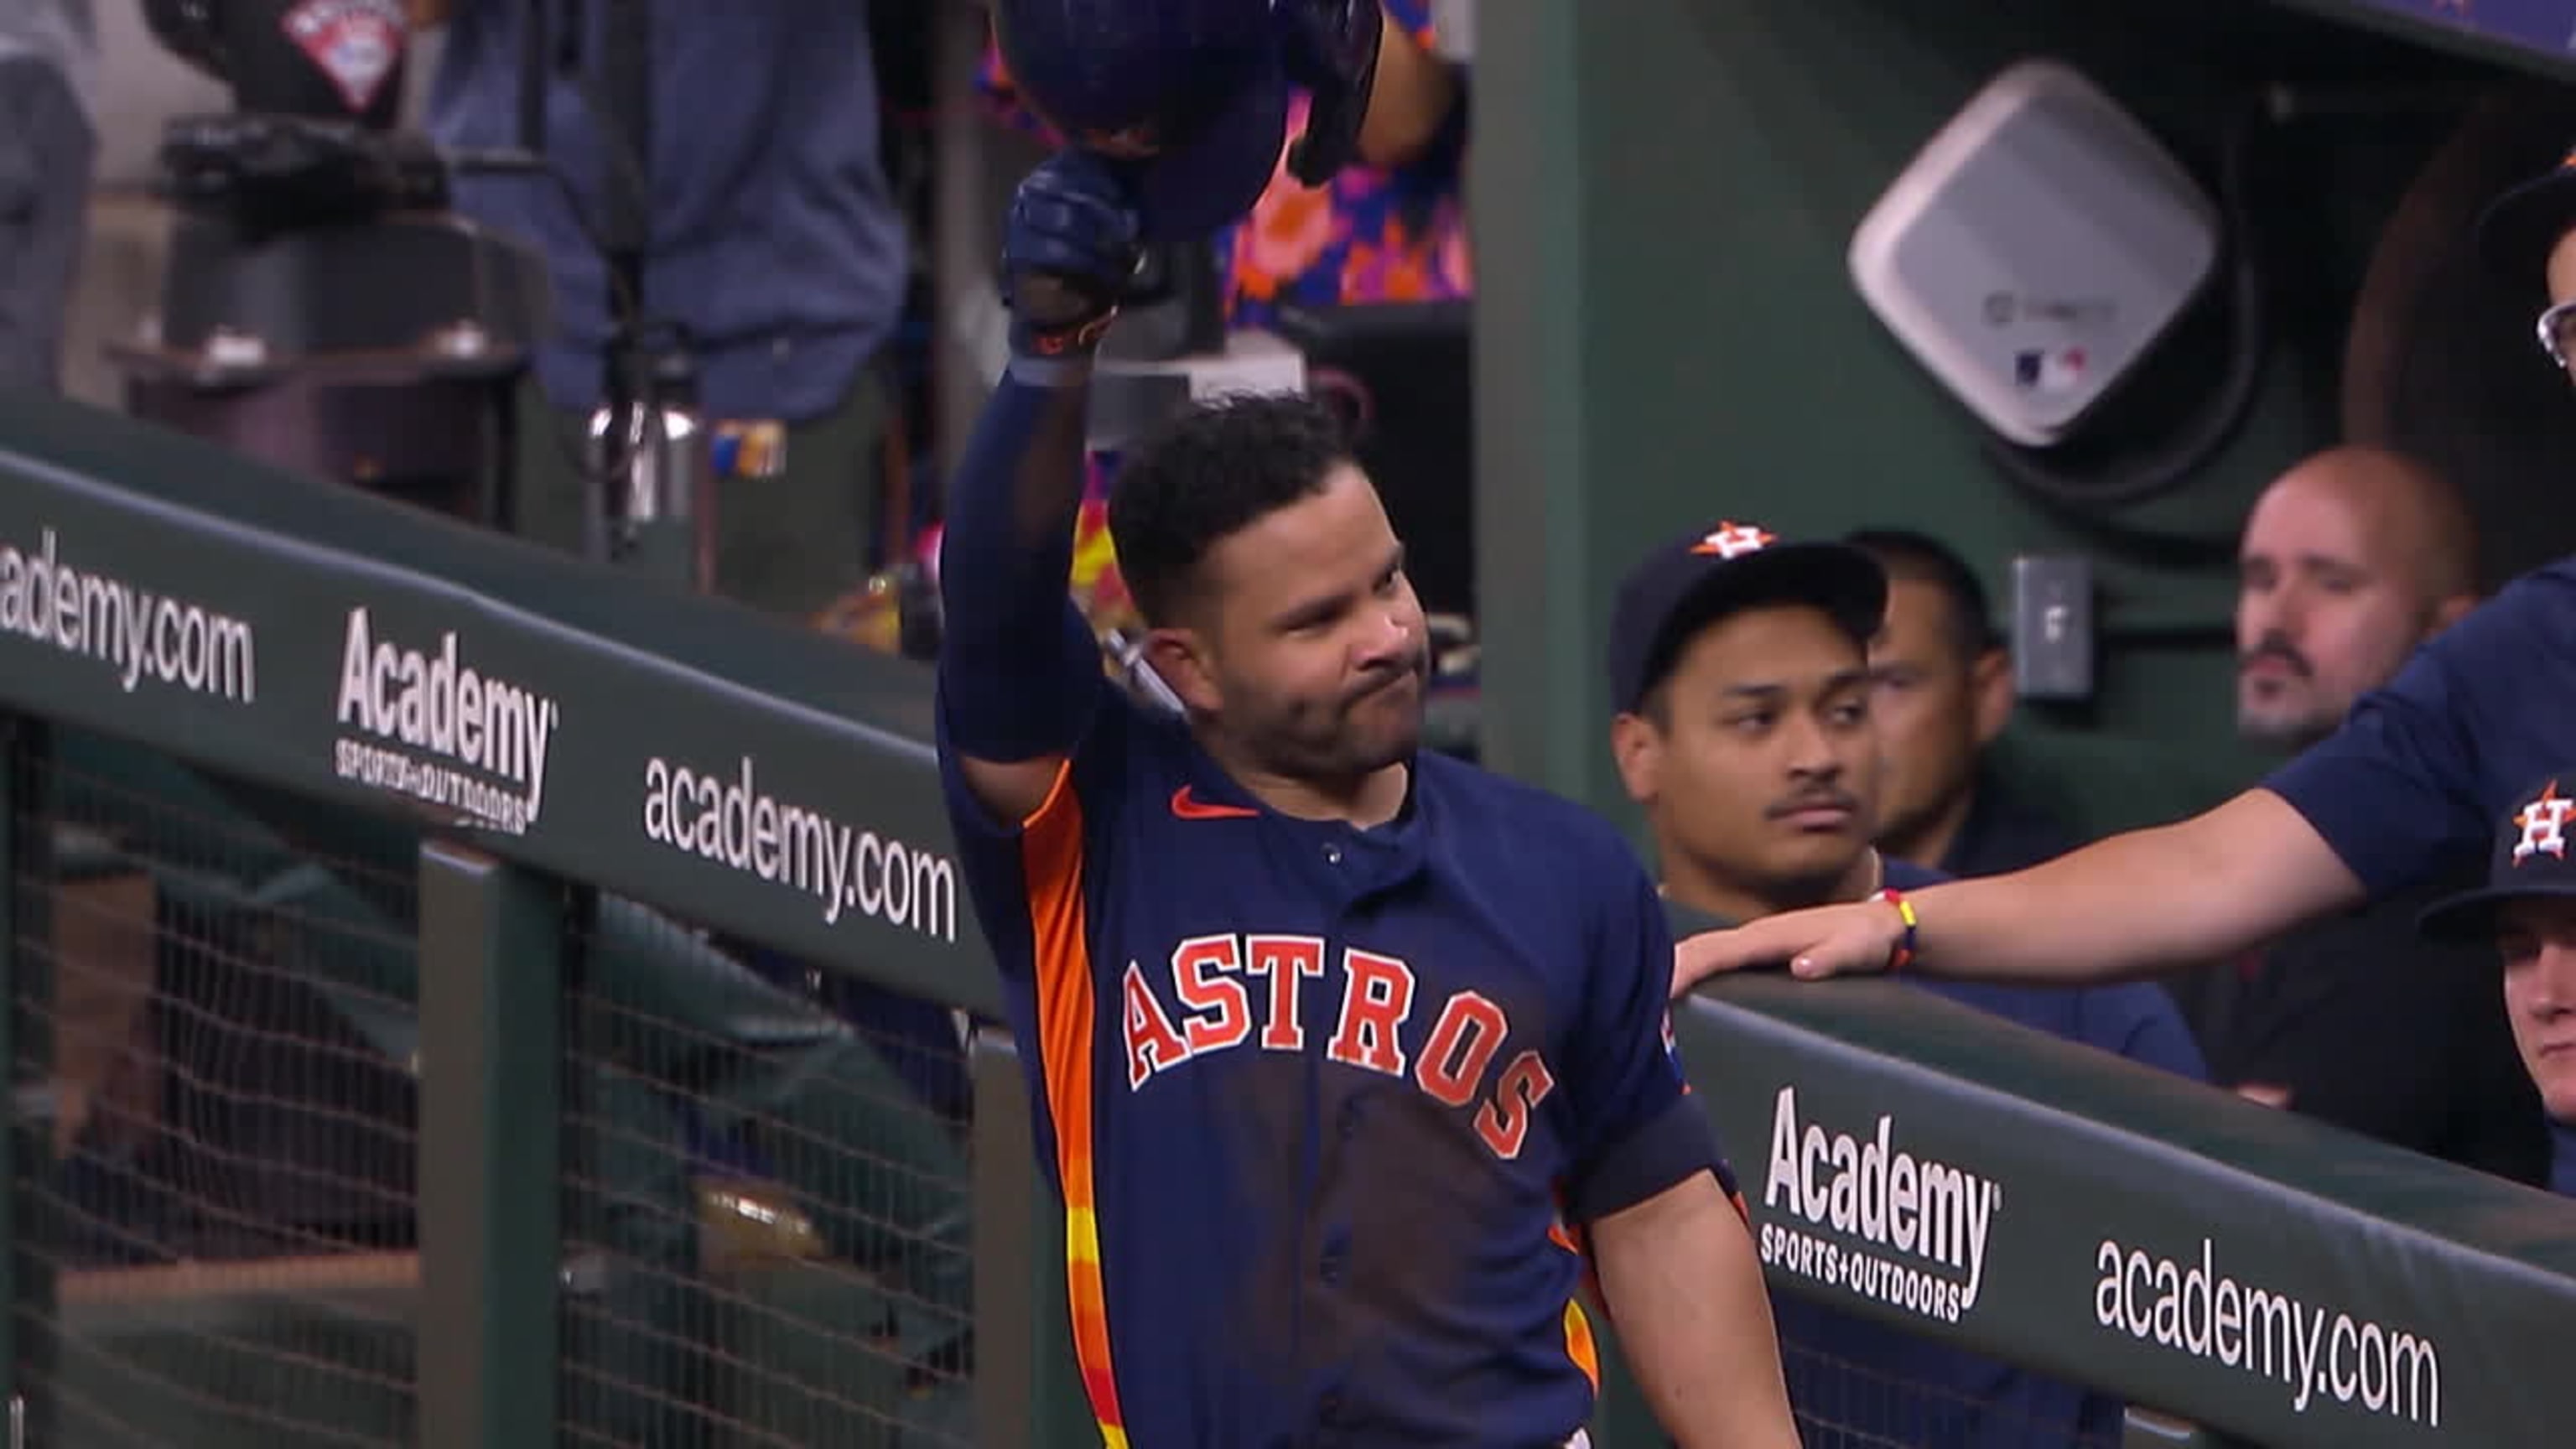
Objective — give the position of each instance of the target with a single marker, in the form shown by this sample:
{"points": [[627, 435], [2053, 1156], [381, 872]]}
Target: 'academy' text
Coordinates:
{"points": [[138, 635], [2209, 1315], [1908, 1231], [429, 726], [729, 821]]}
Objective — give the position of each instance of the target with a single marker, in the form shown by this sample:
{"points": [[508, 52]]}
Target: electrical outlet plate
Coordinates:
{"points": [[2052, 636]]}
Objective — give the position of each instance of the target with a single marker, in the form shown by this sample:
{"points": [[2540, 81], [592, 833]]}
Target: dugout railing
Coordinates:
{"points": [[566, 870]]}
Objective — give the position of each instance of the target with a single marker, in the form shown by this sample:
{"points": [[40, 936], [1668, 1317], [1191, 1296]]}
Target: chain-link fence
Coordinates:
{"points": [[213, 1025], [766, 1201], [1875, 1389], [764, 1196]]}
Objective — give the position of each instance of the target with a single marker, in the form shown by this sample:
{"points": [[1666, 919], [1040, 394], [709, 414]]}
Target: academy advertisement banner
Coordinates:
{"points": [[332, 674], [1993, 1198]]}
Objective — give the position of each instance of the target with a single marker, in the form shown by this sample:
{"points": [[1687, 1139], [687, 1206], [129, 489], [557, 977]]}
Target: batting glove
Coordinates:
{"points": [[1070, 245]]}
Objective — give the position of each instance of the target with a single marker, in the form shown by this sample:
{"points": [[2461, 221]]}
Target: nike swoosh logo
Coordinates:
{"points": [[1186, 805]]}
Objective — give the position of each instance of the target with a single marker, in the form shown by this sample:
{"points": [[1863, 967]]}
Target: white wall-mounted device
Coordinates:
{"points": [[2035, 250]]}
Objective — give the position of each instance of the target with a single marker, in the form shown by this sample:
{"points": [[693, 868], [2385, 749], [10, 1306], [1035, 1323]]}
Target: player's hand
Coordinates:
{"points": [[1824, 941], [1329, 48], [1070, 245]]}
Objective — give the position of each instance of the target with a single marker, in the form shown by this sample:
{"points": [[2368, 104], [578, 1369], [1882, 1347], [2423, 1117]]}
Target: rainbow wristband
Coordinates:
{"points": [[1903, 954]]}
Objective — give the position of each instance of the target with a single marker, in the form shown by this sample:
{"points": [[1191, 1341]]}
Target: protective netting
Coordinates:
{"points": [[767, 1201], [764, 1202], [1883, 1396], [213, 1054]]}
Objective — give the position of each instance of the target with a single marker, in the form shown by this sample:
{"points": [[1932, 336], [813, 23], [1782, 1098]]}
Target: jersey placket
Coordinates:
{"points": [[1347, 869]]}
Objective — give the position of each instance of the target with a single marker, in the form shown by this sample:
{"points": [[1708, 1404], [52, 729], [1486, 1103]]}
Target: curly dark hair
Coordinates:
{"points": [[1216, 467]]}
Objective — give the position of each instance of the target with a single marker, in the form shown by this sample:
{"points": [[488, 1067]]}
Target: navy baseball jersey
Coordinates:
{"points": [[1327, 1107], [2423, 768]]}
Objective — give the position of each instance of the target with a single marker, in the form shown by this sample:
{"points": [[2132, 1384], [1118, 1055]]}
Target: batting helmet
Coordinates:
{"points": [[1191, 93]]}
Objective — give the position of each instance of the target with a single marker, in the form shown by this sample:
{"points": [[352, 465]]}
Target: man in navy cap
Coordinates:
{"points": [[2409, 782], [1740, 669], [2527, 910]]}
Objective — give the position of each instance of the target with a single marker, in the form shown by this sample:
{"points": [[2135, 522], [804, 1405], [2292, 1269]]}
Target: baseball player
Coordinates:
{"points": [[2411, 780], [1349, 1061], [2526, 911]]}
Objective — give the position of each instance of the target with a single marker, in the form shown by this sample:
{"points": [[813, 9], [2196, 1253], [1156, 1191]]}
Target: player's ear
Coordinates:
{"points": [[1990, 694], [1638, 749], [1180, 655]]}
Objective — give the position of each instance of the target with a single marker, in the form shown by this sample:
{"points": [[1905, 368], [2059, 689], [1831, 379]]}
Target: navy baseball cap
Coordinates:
{"points": [[2519, 229], [2532, 858], [1190, 95], [1693, 581]]}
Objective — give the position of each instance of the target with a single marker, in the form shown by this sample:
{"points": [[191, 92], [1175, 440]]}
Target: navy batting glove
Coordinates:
{"points": [[1329, 49], [1070, 246]]}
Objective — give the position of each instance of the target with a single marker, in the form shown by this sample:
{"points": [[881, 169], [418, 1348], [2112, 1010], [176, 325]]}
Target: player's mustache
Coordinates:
{"points": [[1416, 664], [1826, 798], [2274, 646]]}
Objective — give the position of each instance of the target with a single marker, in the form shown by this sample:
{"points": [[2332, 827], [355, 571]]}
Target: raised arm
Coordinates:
{"points": [[1019, 671]]}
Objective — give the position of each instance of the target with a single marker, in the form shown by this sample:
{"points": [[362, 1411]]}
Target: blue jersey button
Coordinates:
{"points": [[1337, 1247], [1332, 854]]}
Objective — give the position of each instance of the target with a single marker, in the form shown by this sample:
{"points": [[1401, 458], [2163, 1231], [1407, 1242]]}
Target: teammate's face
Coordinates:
{"points": [[1762, 778], [2537, 937], [1934, 711], [1318, 657], [2327, 608]]}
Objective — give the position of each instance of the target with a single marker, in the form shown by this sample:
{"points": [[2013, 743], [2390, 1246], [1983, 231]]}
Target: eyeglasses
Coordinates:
{"points": [[2557, 329]]}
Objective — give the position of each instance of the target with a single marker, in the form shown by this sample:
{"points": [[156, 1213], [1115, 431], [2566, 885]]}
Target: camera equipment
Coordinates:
{"points": [[283, 334], [277, 332]]}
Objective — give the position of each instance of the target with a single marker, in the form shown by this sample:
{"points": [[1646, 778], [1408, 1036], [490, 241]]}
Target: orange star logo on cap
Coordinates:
{"points": [[1733, 540]]}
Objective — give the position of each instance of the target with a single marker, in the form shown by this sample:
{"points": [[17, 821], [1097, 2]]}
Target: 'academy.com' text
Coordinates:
{"points": [[728, 819]]}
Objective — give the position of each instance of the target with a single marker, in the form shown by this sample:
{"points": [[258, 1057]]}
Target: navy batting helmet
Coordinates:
{"points": [[1192, 93]]}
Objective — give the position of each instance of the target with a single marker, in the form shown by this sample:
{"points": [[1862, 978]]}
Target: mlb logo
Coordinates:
{"points": [[354, 43], [2048, 369]]}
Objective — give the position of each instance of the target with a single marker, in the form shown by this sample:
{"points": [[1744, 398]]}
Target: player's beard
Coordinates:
{"points": [[1373, 725]]}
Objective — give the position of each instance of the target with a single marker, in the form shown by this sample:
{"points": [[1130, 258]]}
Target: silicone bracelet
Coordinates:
{"points": [[1903, 954]]}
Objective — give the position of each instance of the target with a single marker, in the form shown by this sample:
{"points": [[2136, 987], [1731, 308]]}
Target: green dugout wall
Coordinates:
{"points": [[1663, 192]]}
